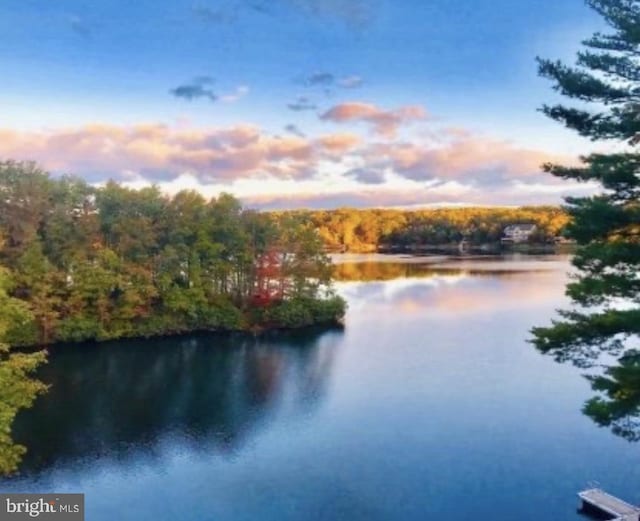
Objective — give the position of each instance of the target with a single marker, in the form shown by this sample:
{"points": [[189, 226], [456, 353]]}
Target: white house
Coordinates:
{"points": [[516, 233]]}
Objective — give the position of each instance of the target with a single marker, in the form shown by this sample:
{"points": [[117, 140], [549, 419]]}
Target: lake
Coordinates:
{"points": [[430, 404]]}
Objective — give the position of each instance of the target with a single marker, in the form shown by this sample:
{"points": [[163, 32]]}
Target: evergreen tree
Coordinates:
{"points": [[605, 292], [606, 226], [617, 404]]}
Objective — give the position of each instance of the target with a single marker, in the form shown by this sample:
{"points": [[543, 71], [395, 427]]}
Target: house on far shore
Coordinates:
{"points": [[517, 233]]}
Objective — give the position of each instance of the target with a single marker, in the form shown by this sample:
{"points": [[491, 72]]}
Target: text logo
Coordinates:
{"points": [[45, 507]]}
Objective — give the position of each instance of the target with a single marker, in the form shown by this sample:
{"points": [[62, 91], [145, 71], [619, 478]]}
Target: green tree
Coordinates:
{"points": [[617, 404], [111, 262], [40, 283], [24, 205], [18, 389], [605, 81]]}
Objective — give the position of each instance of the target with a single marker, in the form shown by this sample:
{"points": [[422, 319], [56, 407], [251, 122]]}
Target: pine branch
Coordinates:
{"points": [[581, 85], [620, 123], [622, 68], [582, 338]]}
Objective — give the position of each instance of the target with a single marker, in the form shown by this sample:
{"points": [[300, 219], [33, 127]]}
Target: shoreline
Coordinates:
{"points": [[435, 255], [455, 248], [337, 324]]}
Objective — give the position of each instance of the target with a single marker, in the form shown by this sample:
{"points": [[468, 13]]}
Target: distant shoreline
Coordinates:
{"points": [[484, 248]]}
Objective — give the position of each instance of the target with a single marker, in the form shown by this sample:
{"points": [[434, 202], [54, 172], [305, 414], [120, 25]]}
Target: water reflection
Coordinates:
{"points": [[349, 269], [378, 271], [466, 287], [209, 391], [439, 290], [430, 405]]}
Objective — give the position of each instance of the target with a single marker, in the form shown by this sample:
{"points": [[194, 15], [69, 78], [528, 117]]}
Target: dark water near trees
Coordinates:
{"points": [[429, 405]]}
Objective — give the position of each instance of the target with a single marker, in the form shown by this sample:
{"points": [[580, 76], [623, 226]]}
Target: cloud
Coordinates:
{"points": [[201, 87], [339, 143], [229, 12], [198, 88], [323, 79], [204, 80], [238, 93], [474, 159], [221, 15], [293, 129], [382, 196], [158, 152], [369, 176], [334, 169], [350, 82], [356, 13], [301, 104], [383, 122], [80, 26], [327, 80]]}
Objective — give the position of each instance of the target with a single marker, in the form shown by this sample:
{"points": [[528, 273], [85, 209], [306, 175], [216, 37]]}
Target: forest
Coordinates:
{"points": [[369, 230], [100, 263]]}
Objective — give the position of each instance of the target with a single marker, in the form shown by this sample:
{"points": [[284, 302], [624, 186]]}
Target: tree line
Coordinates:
{"points": [[374, 229]]}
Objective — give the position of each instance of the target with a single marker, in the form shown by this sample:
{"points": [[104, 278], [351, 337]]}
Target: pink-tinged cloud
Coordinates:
{"points": [[324, 171], [448, 195], [159, 152], [339, 143], [383, 122], [467, 158]]}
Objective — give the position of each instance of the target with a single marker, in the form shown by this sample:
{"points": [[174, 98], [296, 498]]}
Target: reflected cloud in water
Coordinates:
{"points": [[454, 287], [378, 267], [209, 393]]}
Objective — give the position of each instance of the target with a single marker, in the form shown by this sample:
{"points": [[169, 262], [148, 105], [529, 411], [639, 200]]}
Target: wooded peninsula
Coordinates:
{"points": [[105, 263], [98, 263]]}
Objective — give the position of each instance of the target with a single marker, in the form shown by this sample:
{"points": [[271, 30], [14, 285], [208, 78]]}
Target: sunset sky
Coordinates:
{"points": [[293, 103]]}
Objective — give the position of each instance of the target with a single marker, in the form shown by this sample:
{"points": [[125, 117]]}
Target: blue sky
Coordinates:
{"points": [[397, 103]]}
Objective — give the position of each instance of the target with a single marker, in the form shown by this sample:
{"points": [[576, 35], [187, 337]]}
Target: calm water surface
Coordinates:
{"points": [[429, 405]]}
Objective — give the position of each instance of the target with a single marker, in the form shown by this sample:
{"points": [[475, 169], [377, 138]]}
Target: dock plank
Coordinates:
{"points": [[610, 504]]}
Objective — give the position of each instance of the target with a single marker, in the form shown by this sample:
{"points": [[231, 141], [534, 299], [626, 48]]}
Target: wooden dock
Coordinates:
{"points": [[598, 501]]}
